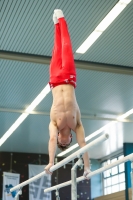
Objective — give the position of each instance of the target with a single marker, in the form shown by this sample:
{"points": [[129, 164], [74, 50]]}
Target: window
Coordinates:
{"points": [[114, 179]]}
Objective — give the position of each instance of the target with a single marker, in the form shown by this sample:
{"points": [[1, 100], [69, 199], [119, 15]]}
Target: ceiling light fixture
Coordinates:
{"points": [[110, 17], [23, 116]]}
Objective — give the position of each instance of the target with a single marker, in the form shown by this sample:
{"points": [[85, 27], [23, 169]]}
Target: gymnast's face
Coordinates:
{"points": [[64, 139]]}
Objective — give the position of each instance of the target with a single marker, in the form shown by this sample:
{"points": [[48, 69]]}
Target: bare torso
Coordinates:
{"points": [[64, 110]]}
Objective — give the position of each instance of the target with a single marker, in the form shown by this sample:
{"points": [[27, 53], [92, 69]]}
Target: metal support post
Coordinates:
{"points": [[57, 195], [73, 177], [19, 193], [132, 177]]}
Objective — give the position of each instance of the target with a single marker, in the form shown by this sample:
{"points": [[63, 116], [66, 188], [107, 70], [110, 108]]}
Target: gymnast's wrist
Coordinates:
{"points": [[87, 168], [51, 163]]}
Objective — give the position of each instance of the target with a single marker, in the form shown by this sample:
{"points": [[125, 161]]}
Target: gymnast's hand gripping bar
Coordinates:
{"points": [[125, 159], [64, 161]]}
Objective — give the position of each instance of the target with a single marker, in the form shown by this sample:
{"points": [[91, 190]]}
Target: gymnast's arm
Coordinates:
{"points": [[52, 146], [80, 135]]}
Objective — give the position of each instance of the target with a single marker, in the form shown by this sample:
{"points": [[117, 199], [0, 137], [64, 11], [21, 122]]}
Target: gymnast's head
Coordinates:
{"points": [[64, 139]]}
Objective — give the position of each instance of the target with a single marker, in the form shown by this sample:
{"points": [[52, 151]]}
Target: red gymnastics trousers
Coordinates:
{"points": [[62, 66]]}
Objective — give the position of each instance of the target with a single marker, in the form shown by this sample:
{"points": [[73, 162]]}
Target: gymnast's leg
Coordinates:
{"points": [[56, 61], [68, 65]]}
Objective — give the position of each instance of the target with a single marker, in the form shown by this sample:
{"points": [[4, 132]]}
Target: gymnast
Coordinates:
{"points": [[65, 114]]}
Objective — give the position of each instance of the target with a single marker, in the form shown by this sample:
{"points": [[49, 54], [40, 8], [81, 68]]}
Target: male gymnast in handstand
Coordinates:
{"points": [[65, 114]]}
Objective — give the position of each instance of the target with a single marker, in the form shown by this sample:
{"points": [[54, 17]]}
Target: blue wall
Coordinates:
{"points": [[128, 149], [96, 181]]}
